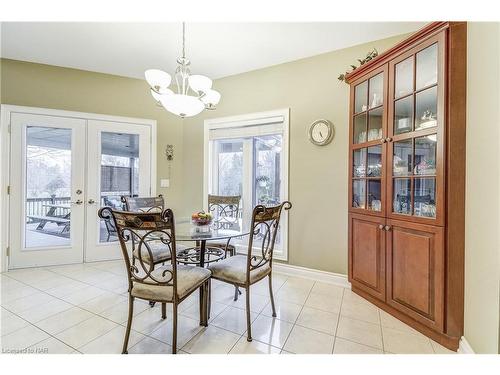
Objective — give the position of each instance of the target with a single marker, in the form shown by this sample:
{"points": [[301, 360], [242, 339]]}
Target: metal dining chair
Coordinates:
{"points": [[245, 270], [225, 211], [170, 283]]}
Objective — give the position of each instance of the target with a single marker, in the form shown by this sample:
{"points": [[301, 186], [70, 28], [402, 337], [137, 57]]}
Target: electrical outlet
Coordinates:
{"points": [[164, 183]]}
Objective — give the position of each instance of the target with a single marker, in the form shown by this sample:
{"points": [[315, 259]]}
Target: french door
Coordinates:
{"points": [[118, 163], [62, 170]]}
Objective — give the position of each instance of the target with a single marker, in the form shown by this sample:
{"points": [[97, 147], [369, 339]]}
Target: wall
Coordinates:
{"points": [[318, 175], [49, 86], [482, 241]]}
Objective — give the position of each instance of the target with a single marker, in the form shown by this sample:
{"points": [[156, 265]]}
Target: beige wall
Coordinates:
{"points": [[77, 90], [482, 262], [318, 175]]}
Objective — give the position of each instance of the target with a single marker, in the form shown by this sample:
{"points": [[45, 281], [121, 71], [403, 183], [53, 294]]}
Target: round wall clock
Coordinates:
{"points": [[321, 132]]}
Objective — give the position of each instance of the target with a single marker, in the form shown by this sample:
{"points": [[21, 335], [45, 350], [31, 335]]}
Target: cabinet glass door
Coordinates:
{"points": [[367, 188], [415, 125]]}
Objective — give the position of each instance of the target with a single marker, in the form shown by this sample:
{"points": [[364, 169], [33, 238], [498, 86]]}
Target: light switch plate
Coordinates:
{"points": [[164, 182]]}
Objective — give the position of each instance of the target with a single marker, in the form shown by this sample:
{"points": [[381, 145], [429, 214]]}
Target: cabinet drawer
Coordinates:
{"points": [[415, 271]]}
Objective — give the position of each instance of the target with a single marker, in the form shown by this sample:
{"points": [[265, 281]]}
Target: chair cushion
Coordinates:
{"points": [[189, 278], [160, 252], [234, 270]]}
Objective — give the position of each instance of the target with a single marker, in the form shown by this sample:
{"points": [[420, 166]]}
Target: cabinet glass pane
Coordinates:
{"points": [[427, 67], [358, 193], [425, 197], [425, 155], [426, 109], [402, 158], [403, 115], [401, 196], [359, 135], [374, 194], [404, 78], [375, 124], [360, 97], [376, 97], [359, 163], [374, 161]]}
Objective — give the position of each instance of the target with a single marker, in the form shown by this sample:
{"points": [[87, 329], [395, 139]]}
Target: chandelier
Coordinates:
{"points": [[193, 93]]}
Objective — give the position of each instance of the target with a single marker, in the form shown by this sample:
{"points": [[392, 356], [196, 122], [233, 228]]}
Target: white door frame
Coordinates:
{"points": [[5, 117]]}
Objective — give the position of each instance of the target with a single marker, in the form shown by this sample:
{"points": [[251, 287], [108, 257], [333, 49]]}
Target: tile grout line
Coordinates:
{"points": [[300, 312], [338, 319]]}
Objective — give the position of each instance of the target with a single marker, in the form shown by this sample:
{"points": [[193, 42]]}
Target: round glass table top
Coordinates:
{"points": [[187, 231]]}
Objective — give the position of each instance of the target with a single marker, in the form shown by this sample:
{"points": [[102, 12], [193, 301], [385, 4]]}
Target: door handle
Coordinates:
{"points": [[387, 228], [91, 201], [78, 202], [380, 227]]}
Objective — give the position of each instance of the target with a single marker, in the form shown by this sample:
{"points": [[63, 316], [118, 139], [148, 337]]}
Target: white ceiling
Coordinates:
{"points": [[215, 49]]}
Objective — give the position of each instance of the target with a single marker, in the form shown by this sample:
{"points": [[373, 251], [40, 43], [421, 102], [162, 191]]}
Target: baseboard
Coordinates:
{"points": [[464, 347], [312, 274]]}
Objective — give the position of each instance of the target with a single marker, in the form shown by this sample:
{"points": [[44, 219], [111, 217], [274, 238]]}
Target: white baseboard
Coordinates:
{"points": [[312, 274], [464, 347]]}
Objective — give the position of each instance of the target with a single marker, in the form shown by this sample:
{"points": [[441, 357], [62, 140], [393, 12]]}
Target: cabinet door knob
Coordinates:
{"points": [[380, 227], [388, 139], [387, 228], [382, 140]]}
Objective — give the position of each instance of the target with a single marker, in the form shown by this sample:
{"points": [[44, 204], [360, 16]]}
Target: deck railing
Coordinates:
{"points": [[37, 206]]}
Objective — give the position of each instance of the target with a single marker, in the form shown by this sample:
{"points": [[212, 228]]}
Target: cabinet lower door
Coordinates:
{"points": [[367, 254], [415, 271]]}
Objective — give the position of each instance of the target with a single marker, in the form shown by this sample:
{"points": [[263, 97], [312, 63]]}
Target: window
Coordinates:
{"points": [[248, 156]]}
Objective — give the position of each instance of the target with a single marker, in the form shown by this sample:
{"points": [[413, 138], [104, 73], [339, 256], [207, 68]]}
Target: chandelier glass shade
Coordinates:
{"points": [[189, 94]]}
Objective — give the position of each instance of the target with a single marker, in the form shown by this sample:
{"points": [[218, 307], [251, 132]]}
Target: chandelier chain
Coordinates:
{"points": [[183, 40]]}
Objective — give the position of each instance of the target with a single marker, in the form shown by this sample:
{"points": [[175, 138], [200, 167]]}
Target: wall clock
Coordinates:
{"points": [[321, 132]]}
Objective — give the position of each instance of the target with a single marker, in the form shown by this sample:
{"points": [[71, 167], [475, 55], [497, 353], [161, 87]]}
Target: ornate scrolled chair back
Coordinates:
{"points": [[225, 209], [145, 229], [265, 225], [146, 204]]}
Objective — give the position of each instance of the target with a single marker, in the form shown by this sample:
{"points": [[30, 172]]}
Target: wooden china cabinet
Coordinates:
{"points": [[407, 180]]}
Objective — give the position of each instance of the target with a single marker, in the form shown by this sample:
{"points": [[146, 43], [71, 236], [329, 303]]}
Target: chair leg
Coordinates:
{"points": [[271, 294], [164, 310], [209, 298], [236, 291], [249, 328], [129, 323], [204, 307], [174, 329]]}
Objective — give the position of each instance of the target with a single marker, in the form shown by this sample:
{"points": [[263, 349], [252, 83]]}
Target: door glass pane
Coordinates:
{"points": [[404, 78], [229, 158], [359, 129], [427, 67], [48, 187], [401, 160], [376, 97], [359, 162], [374, 195], [375, 124], [403, 115], [426, 109], [401, 196], [119, 175], [267, 159], [425, 155], [358, 193], [267, 177], [374, 161], [425, 197], [360, 97]]}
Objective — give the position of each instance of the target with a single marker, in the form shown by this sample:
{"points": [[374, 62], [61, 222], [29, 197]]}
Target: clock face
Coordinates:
{"points": [[321, 132]]}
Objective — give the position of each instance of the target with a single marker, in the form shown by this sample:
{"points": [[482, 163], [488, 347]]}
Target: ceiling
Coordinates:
{"points": [[215, 49]]}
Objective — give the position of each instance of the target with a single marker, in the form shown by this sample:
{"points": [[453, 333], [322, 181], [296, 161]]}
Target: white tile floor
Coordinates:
{"points": [[83, 309]]}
